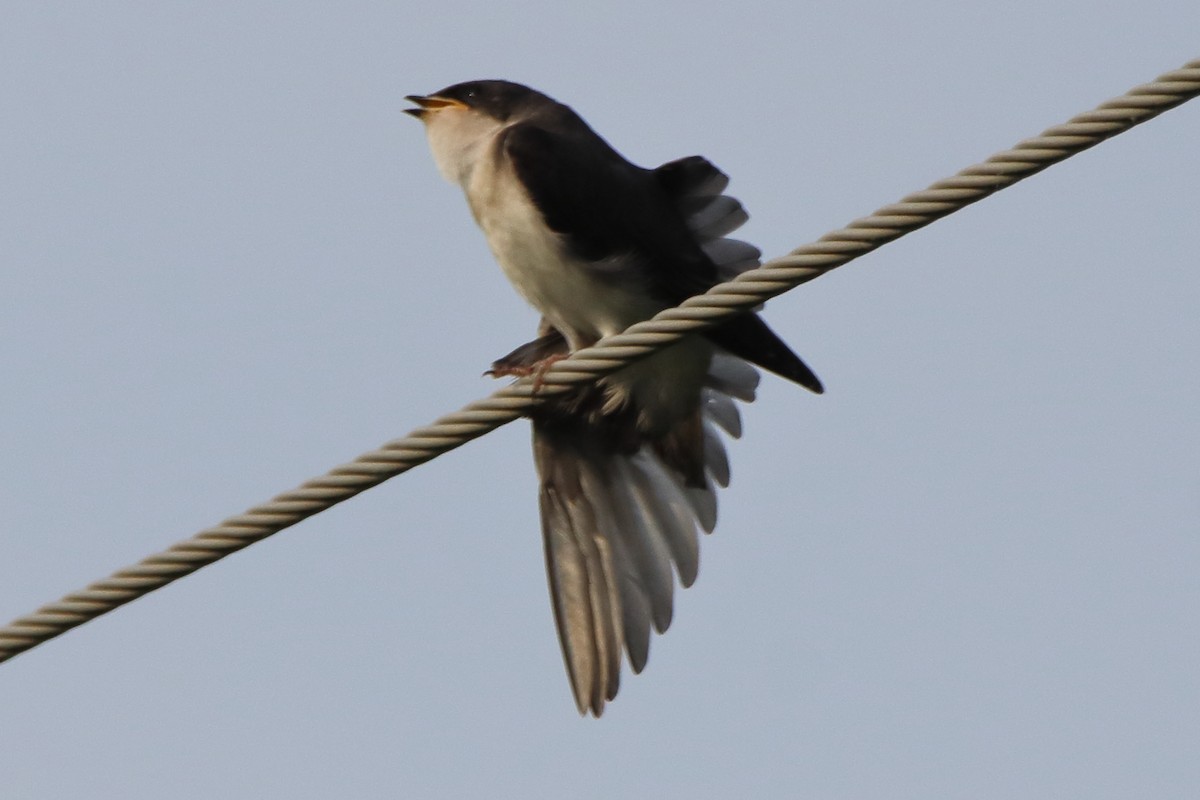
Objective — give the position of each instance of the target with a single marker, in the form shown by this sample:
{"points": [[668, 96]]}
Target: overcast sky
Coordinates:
{"points": [[227, 264]]}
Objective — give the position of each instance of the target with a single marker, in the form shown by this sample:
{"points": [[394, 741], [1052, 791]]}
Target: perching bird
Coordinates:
{"points": [[596, 244]]}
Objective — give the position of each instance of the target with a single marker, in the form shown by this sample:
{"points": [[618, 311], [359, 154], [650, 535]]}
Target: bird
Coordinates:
{"points": [[627, 468]]}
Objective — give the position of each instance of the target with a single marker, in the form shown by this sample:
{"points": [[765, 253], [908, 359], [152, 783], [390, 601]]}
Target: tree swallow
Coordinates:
{"points": [[597, 244]]}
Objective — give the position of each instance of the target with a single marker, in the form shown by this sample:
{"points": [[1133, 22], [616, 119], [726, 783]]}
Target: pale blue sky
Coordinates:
{"points": [[227, 263]]}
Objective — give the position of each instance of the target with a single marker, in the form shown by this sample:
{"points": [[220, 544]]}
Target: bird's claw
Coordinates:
{"points": [[538, 369]]}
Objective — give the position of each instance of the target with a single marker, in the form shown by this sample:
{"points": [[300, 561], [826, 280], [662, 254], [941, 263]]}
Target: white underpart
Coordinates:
{"points": [[571, 293]]}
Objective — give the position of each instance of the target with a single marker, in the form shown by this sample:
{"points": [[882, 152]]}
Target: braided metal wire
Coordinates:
{"points": [[746, 291]]}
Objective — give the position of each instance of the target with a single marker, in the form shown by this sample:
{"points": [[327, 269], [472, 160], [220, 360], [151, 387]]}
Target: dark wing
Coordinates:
{"points": [[748, 337], [610, 212], [646, 225]]}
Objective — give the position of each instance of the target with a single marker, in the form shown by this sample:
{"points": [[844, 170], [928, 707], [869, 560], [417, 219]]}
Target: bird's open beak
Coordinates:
{"points": [[430, 103]]}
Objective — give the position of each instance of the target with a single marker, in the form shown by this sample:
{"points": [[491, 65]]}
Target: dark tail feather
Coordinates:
{"points": [[748, 337]]}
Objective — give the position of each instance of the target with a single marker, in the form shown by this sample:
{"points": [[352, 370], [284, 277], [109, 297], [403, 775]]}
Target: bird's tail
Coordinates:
{"points": [[616, 515]]}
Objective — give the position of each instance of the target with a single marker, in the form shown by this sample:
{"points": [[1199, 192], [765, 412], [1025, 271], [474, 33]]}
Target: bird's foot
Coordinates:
{"points": [[522, 369]]}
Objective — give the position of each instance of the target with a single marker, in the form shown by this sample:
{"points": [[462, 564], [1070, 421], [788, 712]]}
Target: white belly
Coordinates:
{"points": [[582, 304], [568, 292]]}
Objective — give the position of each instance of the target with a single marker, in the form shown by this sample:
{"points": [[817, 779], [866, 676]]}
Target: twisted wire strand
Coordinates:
{"points": [[746, 291]]}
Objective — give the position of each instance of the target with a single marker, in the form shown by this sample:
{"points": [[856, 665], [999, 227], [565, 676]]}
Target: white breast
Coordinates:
{"points": [[571, 293], [578, 299]]}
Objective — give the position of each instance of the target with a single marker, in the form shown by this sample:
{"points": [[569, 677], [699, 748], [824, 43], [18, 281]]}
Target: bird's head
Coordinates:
{"points": [[461, 119]]}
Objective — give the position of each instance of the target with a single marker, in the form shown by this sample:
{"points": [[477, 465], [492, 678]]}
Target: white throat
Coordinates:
{"points": [[459, 138]]}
